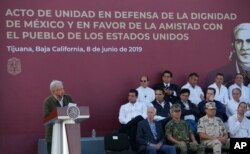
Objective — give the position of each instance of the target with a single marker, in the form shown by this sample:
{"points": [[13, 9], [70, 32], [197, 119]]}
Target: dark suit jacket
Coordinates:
{"points": [[144, 134], [49, 104], [193, 110], [220, 110], [172, 87]]}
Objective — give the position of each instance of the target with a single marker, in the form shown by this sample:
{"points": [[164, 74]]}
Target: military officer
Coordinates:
{"points": [[212, 131], [179, 133]]}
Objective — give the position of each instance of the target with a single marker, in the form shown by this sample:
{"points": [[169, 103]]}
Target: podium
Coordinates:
{"points": [[66, 130]]}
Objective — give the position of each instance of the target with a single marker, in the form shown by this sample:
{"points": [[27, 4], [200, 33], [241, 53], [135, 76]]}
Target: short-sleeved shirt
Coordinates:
{"points": [[211, 126], [178, 130]]}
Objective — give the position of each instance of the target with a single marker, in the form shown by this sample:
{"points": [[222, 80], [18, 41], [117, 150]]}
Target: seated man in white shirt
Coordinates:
{"points": [[239, 83], [233, 104], [145, 94], [221, 94], [196, 93], [239, 125], [129, 116]]}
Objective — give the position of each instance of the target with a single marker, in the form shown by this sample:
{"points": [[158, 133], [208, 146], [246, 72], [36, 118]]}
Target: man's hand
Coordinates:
{"points": [[223, 140], [157, 146], [240, 118]]}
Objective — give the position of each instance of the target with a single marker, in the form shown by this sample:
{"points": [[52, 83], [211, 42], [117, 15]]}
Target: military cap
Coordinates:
{"points": [[175, 107], [210, 105]]}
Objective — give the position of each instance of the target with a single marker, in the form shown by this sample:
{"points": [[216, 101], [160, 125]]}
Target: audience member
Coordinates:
{"points": [[179, 133], [239, 125], [221, 93], [239, 83], [196, 93], [233, 104], [145, 94], [129, 116], [162, 107], [212, 131], [171, 90], [189, 112], [150, 136], [221, 110]]}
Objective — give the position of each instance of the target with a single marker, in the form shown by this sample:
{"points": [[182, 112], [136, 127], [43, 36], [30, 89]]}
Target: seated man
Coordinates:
{"points": [[239, 83], [221, 110], [221, 93], [189, 111], [212, 131], [179, 133], [150, 136], [239, 125], [233, 104], [162, 107], [171, 90], [145, 93], [129, 116], [196, 93]]}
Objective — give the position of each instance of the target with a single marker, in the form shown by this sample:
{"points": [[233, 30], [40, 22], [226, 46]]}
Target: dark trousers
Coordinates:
{"points": [[164, 122], [130, 129], [49, 144]]}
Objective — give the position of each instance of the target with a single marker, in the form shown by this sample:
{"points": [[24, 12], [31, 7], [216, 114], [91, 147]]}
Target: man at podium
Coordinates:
{"points": [[56, 99]]}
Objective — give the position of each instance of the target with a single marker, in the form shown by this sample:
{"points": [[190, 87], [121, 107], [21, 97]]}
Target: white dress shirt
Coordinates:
{"points": [[245, 92], [129, 111], [195, 93], [232, 107], [239, 129], [145, 95], [221, 93]]}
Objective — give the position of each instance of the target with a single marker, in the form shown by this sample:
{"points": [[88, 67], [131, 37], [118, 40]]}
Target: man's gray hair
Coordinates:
{"points": [[151, 107], [236, 89], [242, 26], [55, 84]]}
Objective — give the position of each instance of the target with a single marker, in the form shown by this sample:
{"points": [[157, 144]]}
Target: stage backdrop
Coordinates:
{"points": [[100, 49]]}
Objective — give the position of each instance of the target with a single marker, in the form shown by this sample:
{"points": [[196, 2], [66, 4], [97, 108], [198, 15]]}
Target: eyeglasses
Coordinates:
{"points": [[144, 81]]}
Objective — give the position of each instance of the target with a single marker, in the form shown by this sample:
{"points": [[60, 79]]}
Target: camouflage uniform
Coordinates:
{"points": [[181, 132], [213, 127]]}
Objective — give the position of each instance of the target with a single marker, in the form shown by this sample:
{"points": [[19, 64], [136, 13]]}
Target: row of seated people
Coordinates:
{"points": [[211, 128], [172, 93], [226, 100]]}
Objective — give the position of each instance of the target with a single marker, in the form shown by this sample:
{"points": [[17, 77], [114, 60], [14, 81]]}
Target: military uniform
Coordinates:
{"points": [[213, 127], [180, 131]]}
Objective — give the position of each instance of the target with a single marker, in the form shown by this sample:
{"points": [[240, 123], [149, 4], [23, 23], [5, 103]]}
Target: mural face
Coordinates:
{"points": [[242, 45]]}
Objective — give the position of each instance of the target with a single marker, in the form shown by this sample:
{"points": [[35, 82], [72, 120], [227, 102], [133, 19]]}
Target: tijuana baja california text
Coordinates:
{"points": [[44, 49]]}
